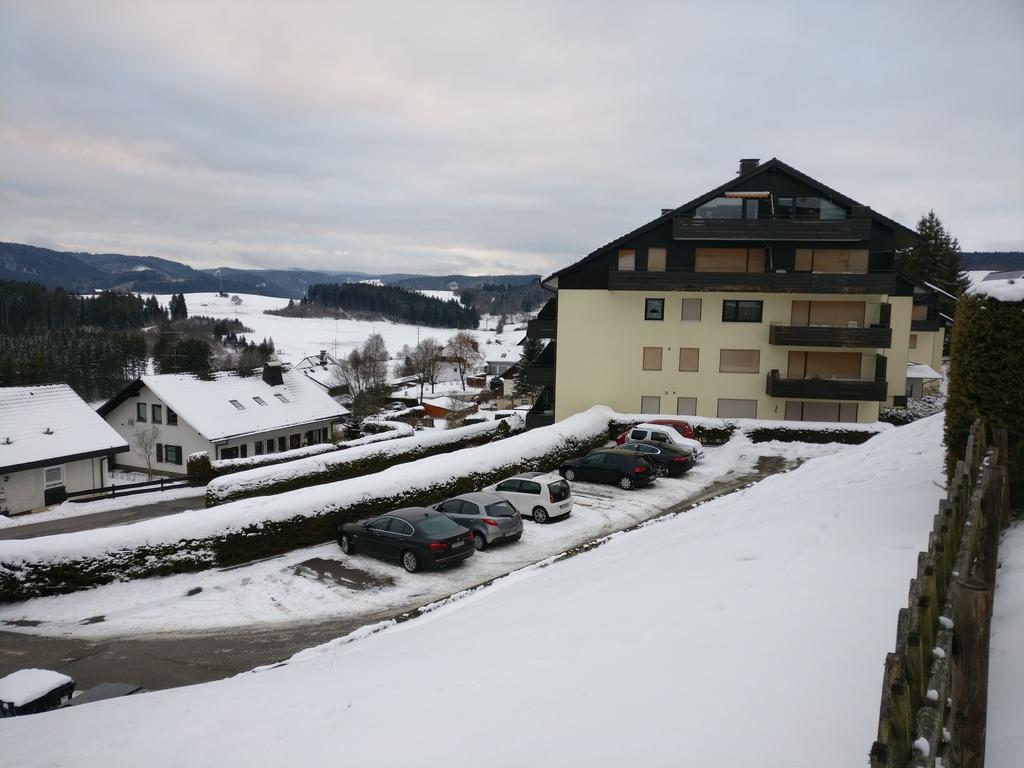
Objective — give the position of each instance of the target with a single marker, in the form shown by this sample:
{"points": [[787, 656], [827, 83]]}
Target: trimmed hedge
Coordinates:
{"points": [[790, 435], [346, 470], [20, 581]]}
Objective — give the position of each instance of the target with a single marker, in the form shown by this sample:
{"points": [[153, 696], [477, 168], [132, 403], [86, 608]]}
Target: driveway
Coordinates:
{"points": [[86, 521]]}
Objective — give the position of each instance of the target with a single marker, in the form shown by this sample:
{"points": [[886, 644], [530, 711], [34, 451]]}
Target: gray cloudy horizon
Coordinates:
{"points": [[482, 137]]}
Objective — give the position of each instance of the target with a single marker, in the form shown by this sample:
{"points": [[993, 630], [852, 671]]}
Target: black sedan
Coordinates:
{"points": [[669, 459], [414, 536], [626, 469]]}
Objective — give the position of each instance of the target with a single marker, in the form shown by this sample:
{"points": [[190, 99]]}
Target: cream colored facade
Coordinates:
{"points": [[602, 335], [925, 347]]}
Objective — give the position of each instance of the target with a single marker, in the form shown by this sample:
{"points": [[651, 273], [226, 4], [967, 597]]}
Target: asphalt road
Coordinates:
{"points": [[166, 661], [101, 519]]}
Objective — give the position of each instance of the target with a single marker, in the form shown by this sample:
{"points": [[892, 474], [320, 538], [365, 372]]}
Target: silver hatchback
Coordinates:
{"points": [[490, 517]]}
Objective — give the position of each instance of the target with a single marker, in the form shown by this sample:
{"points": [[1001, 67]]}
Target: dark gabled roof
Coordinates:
{"points": [[130, 390], [773, 164]]}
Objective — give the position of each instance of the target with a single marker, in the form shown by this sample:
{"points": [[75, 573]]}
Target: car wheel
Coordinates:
{"points": [[569, 475], [410, 562], [626, 483], [540, 515], [660, 470], [346, 544], [479, 541]]}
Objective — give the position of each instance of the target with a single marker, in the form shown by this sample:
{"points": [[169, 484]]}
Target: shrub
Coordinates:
{"points": [[986, 380], [791, 435]]}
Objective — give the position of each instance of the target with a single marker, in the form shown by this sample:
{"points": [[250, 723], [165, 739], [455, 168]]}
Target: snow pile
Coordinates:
{"points": [[750, 631], [1004, 738], [26, 685], [262, 478], [316, 500]]}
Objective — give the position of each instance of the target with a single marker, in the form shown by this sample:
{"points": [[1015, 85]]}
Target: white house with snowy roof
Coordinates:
{"points": [[227, 415], [51, 444]]}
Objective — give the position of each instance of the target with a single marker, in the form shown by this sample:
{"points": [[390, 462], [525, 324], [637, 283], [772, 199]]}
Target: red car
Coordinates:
{"points": [[680, 426]]}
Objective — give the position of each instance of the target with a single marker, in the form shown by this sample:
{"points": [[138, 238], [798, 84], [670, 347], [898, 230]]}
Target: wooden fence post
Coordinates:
{"points": [[988, 546], [972, 616]]}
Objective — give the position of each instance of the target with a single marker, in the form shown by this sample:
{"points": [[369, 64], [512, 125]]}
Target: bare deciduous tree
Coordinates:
{"points": [[426, 363], [145, 439], [465, 350]]}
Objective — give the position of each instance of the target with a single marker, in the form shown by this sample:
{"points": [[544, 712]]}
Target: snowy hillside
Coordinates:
{"points": [[748, 632], [299, 337]]}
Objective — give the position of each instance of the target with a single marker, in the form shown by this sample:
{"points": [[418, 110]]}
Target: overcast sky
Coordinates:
{"points": [[485, 137]]}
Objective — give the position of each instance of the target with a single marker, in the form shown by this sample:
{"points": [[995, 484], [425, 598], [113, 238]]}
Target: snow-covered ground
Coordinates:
{"points": [[749, 632], [298, 337], [1004, 738], [277, 590], [77, 509]]}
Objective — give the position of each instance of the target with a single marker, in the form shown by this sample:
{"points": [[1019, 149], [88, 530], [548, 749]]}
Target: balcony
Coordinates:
{"points": [[827, 389], [875, 337], [542, 414], [753, 282], [855, 228], [541, 328], [540, 375]]}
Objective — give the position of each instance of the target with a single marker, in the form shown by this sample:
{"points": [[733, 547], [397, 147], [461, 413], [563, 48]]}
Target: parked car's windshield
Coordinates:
{"points": [[501, 509], [559, 490], [439, 524]]}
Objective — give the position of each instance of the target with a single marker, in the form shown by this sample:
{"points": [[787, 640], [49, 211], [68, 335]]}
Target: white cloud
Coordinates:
{"points": [[484, 136]]}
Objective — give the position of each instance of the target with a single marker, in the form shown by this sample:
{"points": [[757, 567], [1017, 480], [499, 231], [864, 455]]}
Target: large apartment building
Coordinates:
{"points": [[771, 297]]}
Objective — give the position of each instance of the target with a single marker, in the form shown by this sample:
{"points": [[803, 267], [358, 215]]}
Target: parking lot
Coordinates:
{"points": [[196, 627]]}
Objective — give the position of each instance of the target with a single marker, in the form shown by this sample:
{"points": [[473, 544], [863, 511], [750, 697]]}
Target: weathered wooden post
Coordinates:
{"points": [[972, 616], [988, 547]]}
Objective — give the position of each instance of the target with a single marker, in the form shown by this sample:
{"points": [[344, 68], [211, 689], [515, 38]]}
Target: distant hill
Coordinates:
{"points": [[86, 272], [996, 261]]}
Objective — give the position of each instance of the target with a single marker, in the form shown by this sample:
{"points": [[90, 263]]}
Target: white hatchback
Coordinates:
{"points": [[540, 495]]}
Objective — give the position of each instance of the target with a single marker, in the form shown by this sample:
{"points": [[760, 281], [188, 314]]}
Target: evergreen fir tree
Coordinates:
{"points": [[936, 258], [532, 349]]}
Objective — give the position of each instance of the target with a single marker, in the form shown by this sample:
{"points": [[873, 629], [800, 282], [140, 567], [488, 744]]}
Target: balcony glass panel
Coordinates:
{"points": [[721, 208]]}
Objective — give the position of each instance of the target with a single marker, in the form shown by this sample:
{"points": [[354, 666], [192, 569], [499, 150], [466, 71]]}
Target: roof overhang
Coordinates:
{"points": [[67, 459]]}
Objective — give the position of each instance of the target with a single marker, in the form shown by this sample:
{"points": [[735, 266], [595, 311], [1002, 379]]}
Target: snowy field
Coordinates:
{"points": [[1004, 738], [749, 632], [279, 590], [299, 337]]}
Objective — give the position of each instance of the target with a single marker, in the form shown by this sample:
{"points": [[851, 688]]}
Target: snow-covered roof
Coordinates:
{"points": [[1005, 286], [921, 371], [206, 404], [26, 685], [448, 403], [315, 361], [50, 424], [325, 377]]}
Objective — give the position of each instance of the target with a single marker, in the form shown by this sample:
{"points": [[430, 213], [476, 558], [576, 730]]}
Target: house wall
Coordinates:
{"points": [[601, 336], [122, 419], [24, 491], [929, 348]]}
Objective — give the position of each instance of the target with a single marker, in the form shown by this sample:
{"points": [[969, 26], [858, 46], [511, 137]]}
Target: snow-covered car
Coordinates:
{"points": [[396, 406], [657, 433], [679, 425], [540, 495]]}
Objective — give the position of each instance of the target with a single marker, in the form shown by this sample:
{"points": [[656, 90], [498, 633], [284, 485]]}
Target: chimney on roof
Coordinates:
{"points": [[272, 373], [323, 357], [665, 211], [748, 164]]}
